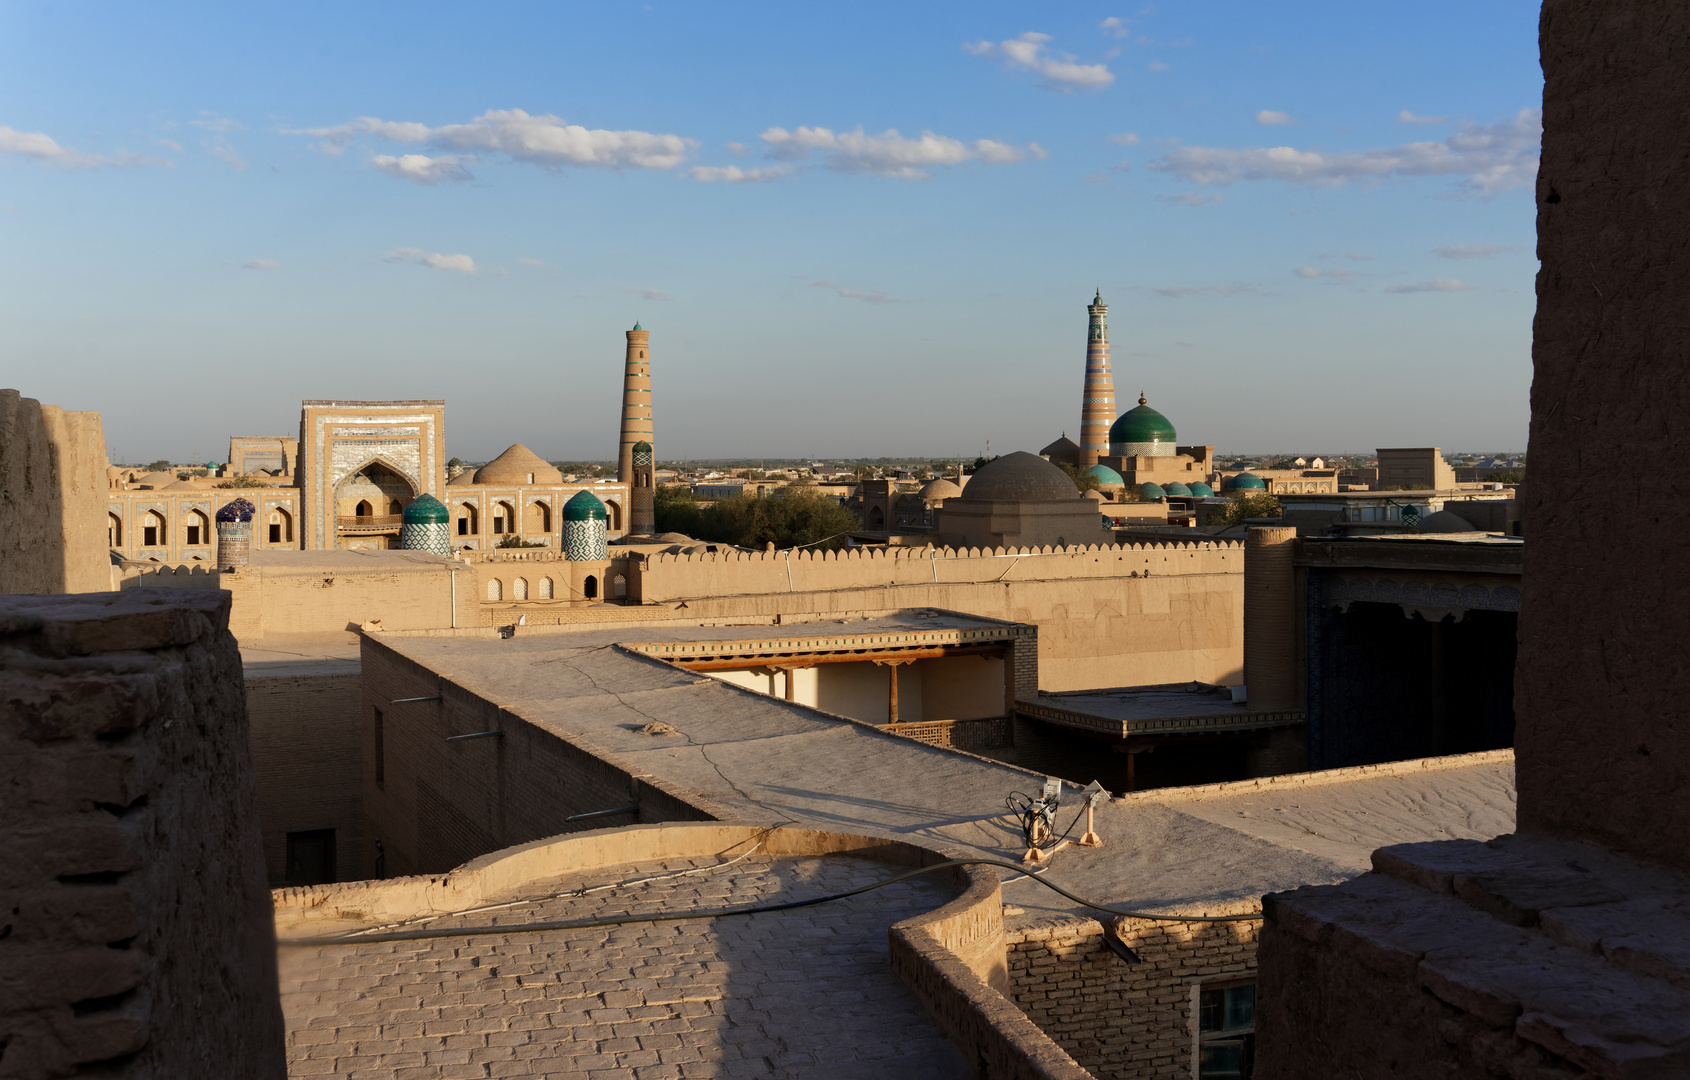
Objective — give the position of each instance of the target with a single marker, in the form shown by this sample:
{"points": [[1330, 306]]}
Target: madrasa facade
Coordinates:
{"points": [[357, 467]]}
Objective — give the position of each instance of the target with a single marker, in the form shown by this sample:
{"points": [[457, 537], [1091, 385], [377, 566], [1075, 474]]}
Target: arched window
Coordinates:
{"points": [[504, 518], [590, 587], [114, 530], [619, 586], [539, 517], [545, 588], [467, 520], [519, 589], [196, 529], [152, 530], [614, 512], [495, 589], [281, 527], [363, 508], [395, 507]]}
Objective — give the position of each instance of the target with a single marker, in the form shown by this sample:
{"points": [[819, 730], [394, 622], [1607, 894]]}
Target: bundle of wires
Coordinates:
{"points": [[1031, 811]]}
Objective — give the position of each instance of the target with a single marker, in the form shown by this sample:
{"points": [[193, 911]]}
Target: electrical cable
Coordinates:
{"points": [[619, 920]]}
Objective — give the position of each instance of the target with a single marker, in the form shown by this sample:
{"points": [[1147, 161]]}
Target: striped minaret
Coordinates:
{"points": [[636, 428], [1097, 406]]}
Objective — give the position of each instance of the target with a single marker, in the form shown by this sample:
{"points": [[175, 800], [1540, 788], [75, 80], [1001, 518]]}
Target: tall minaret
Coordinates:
{"points": [[635, 467], [1097, 405]]}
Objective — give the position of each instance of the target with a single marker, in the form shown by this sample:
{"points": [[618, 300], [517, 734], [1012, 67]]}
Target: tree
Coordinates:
{"points": [[1246, 504], [798, 516], [241, 481], [676, 510], [161, 465], [1506, 476], [453, 462], [1082, 478]]}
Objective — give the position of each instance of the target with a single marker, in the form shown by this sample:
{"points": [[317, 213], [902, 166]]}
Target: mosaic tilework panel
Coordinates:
{"points": [[1141, 449], [585, 541], [426, 536]]}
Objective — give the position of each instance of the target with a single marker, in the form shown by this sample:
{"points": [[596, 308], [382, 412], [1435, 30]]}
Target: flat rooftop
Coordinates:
{"points": [[354, 559], [763, 760]]}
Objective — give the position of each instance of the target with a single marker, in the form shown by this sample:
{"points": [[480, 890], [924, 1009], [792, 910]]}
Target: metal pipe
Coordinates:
{"points": [[474, 735], [403, 700], [630, 808]]}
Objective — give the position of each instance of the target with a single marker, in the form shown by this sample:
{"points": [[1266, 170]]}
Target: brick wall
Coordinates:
{"points": [[1119, 1019], [307, 745], [135, 927], [440, 804]]}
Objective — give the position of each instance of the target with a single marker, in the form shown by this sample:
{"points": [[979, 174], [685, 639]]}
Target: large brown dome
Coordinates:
{"points": [[1019, 477], [518, 465]]}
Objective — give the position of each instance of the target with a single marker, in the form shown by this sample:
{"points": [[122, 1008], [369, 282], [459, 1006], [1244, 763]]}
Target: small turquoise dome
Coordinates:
{"points": [[1142, 432], [642, 447], [1151, 492], [1247, 481], [1103, 474], [425, 509], [1202, 490], [1177, 488], [584, 506]]}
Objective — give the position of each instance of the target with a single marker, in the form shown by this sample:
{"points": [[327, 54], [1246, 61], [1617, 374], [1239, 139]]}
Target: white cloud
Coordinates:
{"points": [[1191, 198], [647, 294], [1178, 292], [1311, 272], [259, 264], [1474, 251], [169, 144], [461, 264], [1156, 65], [543, 140], [422, 169], [227, 154], [1114, 26], [1489, 158], [1406, 117], [1439, 285], [889, 153], [738, 149], [1269, 117], [1029, 53], [44, 148], [1125, 139], [221, 125], [733, 174]]}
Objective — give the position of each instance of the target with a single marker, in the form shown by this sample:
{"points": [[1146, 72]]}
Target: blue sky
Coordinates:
{"points": [[853, 230]]}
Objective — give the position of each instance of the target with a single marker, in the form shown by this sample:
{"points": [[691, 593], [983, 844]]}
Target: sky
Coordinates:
{"points": [[852, 230]]}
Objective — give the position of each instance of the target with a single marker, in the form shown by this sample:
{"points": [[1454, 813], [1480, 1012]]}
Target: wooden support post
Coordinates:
{"points": [[892, 694], [790, 672]]}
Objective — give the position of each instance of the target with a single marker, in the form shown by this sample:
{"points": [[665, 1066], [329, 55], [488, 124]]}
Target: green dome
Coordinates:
{"points": [[1151, 492], [584, 506], [642, 447], [1105, 475], [425, 509], [1201, 489], [1139, 428], [1247, 481], [1177, 488]]}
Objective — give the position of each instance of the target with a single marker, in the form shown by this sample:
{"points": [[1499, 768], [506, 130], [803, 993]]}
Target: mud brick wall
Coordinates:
{"points": [[307, 745], [1123, 1020], [135, 926]]}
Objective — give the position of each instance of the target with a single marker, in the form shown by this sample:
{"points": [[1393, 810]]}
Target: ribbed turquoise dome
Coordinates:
{"points": [[425, 509], [1151, 492], [1104, 475], [1202, 490], [584, 506], [1142, 431], [1247, 481], [1177, 488]]}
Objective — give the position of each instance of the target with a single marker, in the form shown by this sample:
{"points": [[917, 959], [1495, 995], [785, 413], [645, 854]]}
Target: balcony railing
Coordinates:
{"points": [[373, 523]]}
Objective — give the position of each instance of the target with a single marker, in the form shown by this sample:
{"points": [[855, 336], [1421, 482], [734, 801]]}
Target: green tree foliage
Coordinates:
{"points": [[512, 540], [453, 462], [796, 516], [161, 465], [241, 481], [1083, 480], [1246, 504], [1506, 476]]}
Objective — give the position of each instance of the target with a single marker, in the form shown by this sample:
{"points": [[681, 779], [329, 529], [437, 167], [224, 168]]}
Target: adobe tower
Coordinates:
{"points": [[1097, 405], [634, 461]]}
